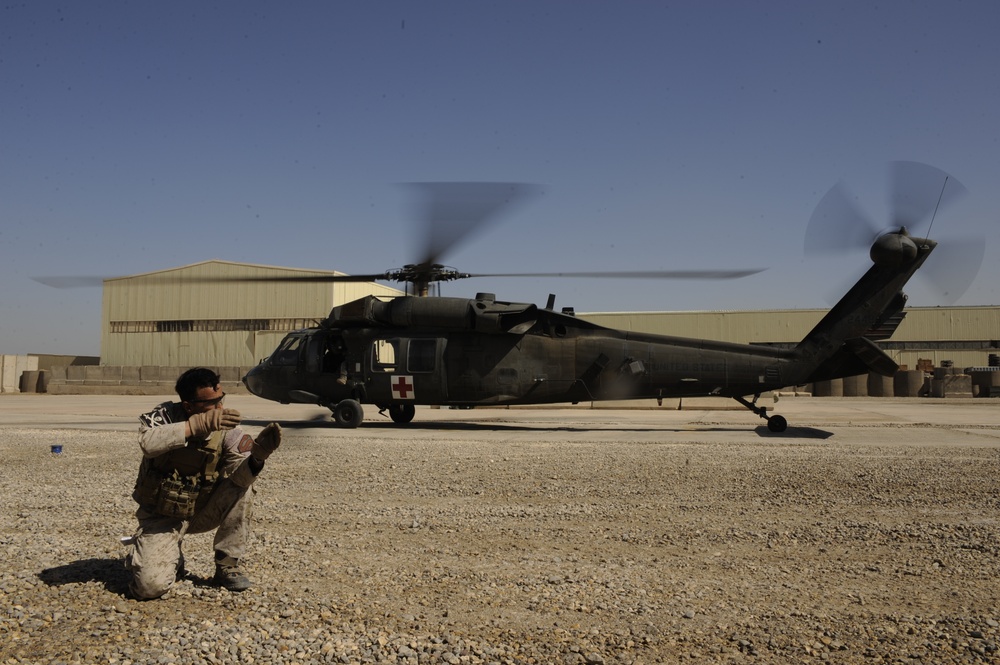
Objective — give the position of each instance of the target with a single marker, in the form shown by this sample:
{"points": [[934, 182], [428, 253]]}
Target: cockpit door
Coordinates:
{"points": [[285, 363]]}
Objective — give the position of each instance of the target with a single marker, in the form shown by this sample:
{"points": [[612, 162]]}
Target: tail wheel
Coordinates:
{"points": [[777, 423], [348, 413], [402, 413]]}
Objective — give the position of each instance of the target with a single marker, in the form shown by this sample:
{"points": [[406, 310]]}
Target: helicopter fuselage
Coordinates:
{"points": [[408, 351], [462, 352]]}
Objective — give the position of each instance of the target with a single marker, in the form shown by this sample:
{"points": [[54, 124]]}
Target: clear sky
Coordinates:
{"points": [[139, 136]]}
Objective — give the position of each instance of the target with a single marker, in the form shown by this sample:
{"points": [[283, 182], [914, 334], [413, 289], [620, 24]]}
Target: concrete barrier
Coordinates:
{"points": [[11, 369], [952, 385], [149, 373], [908, 383], [856, 386], [831, 388], [986, 383], [29, 381], [880, 386], [229, 373], [130, 380]]}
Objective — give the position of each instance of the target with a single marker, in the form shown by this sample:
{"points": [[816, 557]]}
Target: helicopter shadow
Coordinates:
{"points": [[466, 426], [319, 422], [322, 422], [109, 572], [440, 426], [793, 433]]}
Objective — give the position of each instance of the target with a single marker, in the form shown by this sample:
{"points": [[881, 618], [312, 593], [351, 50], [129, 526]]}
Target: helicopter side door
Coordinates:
{"points": [[405, 370]]}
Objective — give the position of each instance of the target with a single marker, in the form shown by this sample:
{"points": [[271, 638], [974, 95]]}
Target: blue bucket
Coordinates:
{"points": [[56, 450]]}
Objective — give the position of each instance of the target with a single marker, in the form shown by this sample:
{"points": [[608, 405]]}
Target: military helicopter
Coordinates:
{"points": [[413, 350]]}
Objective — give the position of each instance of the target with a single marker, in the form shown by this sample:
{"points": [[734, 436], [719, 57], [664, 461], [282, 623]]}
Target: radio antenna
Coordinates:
{"points": [[937, 205]]}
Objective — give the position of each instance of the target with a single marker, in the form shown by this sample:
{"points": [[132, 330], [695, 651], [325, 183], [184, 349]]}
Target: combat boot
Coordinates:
{"points": [[228, 574]]}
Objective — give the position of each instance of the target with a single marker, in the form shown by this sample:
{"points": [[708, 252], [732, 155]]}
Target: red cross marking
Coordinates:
{"points": [[401, 387]]}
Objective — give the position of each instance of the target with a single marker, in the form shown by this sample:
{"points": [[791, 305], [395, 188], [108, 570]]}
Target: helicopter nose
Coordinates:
{"points": [[254, 381]]}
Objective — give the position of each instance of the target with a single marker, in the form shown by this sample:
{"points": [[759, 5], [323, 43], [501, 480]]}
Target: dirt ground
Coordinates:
{"points": [[868, 532]]}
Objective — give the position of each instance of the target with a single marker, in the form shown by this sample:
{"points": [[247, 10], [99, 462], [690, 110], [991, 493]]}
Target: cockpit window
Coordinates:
{"points": [[288, 352]]}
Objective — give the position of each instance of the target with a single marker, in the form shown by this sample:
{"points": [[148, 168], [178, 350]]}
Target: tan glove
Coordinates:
{"points": [[266, 442], [230, 418], [203, 424]]}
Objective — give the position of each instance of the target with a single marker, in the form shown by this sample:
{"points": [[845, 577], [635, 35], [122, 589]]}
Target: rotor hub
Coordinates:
{"points": [[893, 250]]}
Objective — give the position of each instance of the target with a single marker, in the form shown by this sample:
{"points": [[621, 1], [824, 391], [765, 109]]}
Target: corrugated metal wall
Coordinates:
{"points": [[743, 327], [922, 324], [136, 310]]}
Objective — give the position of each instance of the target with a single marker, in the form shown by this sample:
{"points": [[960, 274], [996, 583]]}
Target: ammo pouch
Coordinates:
{"points": [[172, 494], [178, 497]]}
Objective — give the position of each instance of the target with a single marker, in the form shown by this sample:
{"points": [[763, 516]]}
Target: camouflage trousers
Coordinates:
{"points": [[155, 556]]}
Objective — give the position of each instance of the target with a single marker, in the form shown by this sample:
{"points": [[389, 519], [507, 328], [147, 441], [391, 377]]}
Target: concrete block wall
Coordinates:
{"points": [[130, 380]]}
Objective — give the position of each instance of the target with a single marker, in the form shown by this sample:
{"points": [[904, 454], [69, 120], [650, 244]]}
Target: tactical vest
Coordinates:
{"points": [[178, 482]]}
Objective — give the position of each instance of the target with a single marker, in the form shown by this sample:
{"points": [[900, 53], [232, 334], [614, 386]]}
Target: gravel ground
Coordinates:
{"points": [[529, 537]]}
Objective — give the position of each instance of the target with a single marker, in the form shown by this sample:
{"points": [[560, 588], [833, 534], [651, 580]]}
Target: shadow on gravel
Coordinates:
{"points": [[426, 425], [109, 572], [457, 426], [794, 433], [315, 423]]}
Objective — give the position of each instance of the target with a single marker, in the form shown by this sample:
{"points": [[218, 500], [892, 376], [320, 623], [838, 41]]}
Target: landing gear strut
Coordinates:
{"points": [[775, 423]]}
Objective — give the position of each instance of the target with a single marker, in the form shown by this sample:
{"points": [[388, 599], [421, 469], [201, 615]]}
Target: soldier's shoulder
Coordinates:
{"points": [[238, 440], [163, 414]]}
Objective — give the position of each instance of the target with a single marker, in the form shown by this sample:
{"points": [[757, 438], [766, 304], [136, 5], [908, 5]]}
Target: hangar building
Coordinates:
{"points": [[966, 336], [215, 313]]}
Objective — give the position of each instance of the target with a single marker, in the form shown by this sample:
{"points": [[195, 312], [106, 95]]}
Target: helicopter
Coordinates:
{"points": [[400, 352]]}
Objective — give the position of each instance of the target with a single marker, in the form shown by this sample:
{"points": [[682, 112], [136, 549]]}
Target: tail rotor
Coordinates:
{"points": [[917, 192]]}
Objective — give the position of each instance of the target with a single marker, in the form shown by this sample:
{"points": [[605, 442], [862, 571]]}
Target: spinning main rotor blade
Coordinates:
{"points": [[636, 274], [432, 273], [450, 212], [71, 282], [449, 274]]}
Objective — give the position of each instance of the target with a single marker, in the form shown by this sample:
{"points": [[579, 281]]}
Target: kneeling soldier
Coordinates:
{"points": [[195, 476]]}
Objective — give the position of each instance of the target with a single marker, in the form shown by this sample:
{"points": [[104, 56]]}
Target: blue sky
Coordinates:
{"points": [[139, 136]]}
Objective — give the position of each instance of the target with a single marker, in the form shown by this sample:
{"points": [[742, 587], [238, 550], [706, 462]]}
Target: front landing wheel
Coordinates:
{"points": [[348, 413], [777, 423]]}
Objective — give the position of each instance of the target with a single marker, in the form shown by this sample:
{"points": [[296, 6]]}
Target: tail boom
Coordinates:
{"points": [[841, 343]]}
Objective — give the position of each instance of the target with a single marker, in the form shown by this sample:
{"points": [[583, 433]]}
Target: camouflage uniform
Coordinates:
{"points": [[156, 561]]}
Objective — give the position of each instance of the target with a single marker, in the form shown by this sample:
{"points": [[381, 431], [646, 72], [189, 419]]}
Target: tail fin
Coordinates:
{"points": [[841, 343]]}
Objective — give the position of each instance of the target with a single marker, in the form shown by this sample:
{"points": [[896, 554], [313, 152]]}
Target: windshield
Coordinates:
{"points": [[288, 352]]}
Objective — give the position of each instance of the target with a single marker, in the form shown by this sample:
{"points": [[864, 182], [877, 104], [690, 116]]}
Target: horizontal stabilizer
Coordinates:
{"points": [[884, 330], [872, 356]]}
